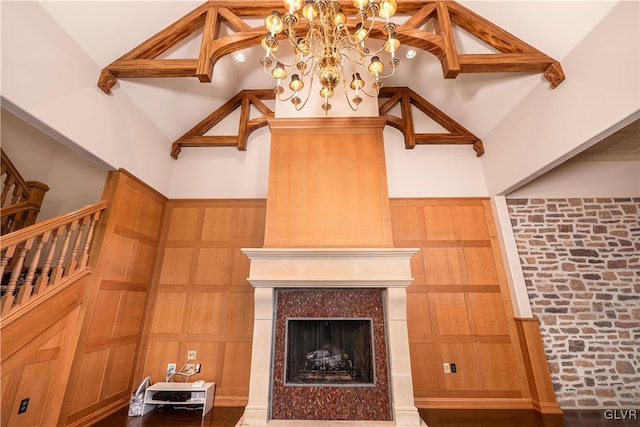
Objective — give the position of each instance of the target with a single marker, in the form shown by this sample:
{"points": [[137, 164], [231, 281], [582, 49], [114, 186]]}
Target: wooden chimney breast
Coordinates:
{"points": [[327, 184]]}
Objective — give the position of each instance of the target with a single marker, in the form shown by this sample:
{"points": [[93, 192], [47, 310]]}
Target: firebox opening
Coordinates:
{"points": [[329, 352]]}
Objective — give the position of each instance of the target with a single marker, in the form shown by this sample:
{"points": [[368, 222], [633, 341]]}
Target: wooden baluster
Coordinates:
{"points": [[9, 182], [26, 290], [8, 255], [43, 279], [72, 262], [9, 297], [84, 256], [58, 270]]}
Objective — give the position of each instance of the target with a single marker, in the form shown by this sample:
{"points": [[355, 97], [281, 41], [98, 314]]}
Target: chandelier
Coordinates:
{"points": [[326, 50]]}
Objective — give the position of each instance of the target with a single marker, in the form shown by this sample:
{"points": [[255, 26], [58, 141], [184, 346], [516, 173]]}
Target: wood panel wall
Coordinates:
{"points": [[459, 307], [327, 184], [37, 347], [113, 311], [201, 299]]}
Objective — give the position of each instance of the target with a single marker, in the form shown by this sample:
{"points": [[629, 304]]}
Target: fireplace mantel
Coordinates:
{"points": [[387, 268], [344, 268]]}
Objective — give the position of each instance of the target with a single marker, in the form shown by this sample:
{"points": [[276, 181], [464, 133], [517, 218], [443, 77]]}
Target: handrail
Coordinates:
{"points": [[15, 193], [17, 216], [36, 258], [17, 208]]}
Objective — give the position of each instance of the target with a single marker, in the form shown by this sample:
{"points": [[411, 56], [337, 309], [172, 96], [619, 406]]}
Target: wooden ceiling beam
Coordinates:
{"points": [[404, 96], [421, 17], [515, 55], [168, 37], [457, 134], [195, 137], [210, 33], [449, 57]]}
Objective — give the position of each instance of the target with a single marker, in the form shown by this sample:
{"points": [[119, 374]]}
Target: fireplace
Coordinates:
{"points": [[329, 352], [330, 355], [335, 321]]}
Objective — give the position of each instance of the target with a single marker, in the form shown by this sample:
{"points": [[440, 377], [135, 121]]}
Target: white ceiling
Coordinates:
{"points": [[106, 30]]}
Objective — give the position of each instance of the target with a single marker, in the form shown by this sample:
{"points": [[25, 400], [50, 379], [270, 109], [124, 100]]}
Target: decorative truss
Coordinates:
{"points": [[514, 55], [407, 98], [196, 136]]}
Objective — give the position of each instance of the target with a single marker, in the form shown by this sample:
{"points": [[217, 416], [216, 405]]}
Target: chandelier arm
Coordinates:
{"points": [[284, 64], [362, 89], [301, 106], [284, 99], [358, 60], [346, 96]]}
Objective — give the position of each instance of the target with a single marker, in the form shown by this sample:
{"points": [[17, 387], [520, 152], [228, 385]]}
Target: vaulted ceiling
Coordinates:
{"points": [[476, 59], [511, 55]]}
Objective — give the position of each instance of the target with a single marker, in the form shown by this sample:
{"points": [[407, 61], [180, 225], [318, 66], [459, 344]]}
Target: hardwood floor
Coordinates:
{"points": [[228, 417]]}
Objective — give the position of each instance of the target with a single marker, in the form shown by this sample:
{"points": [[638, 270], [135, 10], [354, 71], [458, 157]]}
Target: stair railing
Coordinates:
{"points": [[20, 200], [37, 258]]}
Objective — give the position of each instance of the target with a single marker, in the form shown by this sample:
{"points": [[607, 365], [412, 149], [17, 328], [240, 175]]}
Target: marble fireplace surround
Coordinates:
{"points": [[331, 268]]}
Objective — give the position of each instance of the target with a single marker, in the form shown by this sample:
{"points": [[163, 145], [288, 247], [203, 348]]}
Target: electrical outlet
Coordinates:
{"points": [[23, 405], [191, 355], [447, 368], [453, 368], [171, 369], [198, 367], [190, 368]]}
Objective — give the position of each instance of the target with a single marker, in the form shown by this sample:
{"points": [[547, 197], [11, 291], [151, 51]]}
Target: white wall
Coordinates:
{"points": [[224, 172], [46, 74], [74, 180], [548, 126], [432, 170]]}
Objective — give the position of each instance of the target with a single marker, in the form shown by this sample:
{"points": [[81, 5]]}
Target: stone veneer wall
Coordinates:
{"points": [[581, 263]]}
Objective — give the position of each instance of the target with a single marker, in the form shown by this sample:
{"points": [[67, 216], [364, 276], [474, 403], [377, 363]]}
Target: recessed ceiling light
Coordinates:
{"points": [[240, 57], [411, 53]]}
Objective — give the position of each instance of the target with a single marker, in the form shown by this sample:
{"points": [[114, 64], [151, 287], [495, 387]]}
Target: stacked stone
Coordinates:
{"points": [[581, 263]]}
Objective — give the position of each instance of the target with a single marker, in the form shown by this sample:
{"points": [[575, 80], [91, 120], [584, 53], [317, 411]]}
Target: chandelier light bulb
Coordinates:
{"points": [[296, 84], [392, 44], [388, 8], [339, 18], [274, 23], [360, 33], [278, 71], [376, 67], [356, 82], [293, 5], [309, 11], [360, 3]]}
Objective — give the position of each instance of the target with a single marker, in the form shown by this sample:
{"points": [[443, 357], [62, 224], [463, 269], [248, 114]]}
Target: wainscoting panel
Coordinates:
{"points": [[459, 308], [201, 299], [104, 366]]}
